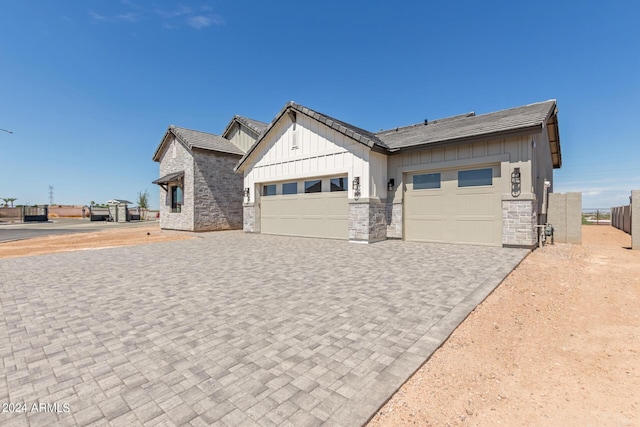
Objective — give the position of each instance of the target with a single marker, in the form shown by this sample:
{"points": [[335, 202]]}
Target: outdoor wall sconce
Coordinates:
{"points": [[356, 187], [391, 184], [515, 182], [515, 176], [246, 193]]}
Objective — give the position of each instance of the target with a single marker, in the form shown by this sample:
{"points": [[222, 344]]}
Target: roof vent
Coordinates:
{"points": [[426, 122]]}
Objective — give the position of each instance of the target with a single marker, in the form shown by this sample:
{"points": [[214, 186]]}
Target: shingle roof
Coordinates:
{"points": [[363, 136], [354, 132], [196, 139], [205, 141], [532, 116], [528, 118], [256, 126]]}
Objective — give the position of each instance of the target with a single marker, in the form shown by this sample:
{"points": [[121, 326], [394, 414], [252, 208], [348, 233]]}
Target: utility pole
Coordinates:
{"points": [[50, 195]]}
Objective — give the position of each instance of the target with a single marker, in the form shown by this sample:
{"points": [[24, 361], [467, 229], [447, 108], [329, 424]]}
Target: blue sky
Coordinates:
{"points": [[90, 87]]}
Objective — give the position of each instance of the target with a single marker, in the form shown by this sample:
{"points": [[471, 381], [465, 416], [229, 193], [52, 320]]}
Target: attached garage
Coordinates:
{"points": [[454, 206], [310, 208], [466, 179]]}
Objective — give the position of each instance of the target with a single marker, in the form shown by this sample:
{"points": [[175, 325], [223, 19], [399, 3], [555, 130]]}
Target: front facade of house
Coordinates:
{"points": [[199, 190], [465, 179]]}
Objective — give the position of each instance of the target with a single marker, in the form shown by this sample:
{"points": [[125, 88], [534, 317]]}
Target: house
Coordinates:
{"points": [[474, 179], [199, 190]]}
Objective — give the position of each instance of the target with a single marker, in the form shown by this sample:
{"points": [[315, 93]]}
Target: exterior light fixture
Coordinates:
{"points": [[515, 176], [391, 184], [515, 182], [356, 183], [356, 187], [247, 193]]}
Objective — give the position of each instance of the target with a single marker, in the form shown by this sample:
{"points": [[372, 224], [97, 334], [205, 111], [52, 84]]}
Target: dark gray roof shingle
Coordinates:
{"points": [[468, 126], [527, 118], [196, 139], [205, 141], [255, 126]]}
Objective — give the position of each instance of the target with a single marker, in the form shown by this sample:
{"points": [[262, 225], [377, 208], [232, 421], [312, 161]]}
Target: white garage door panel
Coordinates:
{"points": [[308, 215], [450, 214]]}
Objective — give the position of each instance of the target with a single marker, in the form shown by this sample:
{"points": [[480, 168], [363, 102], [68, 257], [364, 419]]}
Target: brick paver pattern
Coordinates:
{"points": [[230, 329]]}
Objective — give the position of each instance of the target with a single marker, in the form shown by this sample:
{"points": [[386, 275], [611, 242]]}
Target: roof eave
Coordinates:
{"points": [[554, 136], [528, 130], [311, 114], [156, 155]]}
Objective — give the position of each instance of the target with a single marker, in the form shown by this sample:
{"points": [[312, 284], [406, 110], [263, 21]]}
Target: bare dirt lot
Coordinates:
{"points": [[92, 240], [556, 344]]}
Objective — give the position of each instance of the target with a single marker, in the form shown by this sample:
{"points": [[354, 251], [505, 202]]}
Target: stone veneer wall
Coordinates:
{"points": [[217, 192], [367, 221], [394, 220], [519, 218], [249, 218], [182, 161]]}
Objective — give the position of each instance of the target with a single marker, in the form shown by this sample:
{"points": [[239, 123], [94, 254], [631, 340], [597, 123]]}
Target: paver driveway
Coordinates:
{"points": [[230, 328]]}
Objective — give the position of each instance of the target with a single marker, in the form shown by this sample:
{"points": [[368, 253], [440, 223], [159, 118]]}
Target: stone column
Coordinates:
{"points": [[394, 220], [367, 221], [249, 217], [519, 220]]}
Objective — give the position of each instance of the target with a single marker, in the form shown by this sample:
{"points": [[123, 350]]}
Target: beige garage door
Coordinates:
{"points": [[454, 206], [324, 214]]}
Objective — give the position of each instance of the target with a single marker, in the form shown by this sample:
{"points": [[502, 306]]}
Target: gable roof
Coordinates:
{"points": [[196, 139], [359, 135], [255, 126], [531, 118]]}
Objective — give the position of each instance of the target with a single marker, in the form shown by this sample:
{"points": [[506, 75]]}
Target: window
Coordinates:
{"points": [[475, 177], [176, 199], [426, 181], [290, 188], [339, 184], [269, 190], [314, 186]]}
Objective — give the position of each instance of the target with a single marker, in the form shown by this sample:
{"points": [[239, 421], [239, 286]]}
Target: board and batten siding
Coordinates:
{"points": [[541, 168], [314, 150], [241, 137], [509, 153]]}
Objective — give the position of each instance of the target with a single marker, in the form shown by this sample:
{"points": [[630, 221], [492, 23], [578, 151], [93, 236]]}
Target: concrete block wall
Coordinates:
{"points": [[565, 214], [519, 220], [621, 218], [635, 219]]}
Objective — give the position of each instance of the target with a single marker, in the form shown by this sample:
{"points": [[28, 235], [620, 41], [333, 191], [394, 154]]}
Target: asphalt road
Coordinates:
{"points": [[10, 232]]}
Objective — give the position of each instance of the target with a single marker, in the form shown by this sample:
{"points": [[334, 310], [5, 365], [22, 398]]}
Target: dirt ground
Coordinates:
{"points": [[556, 344], [91, 240]]}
